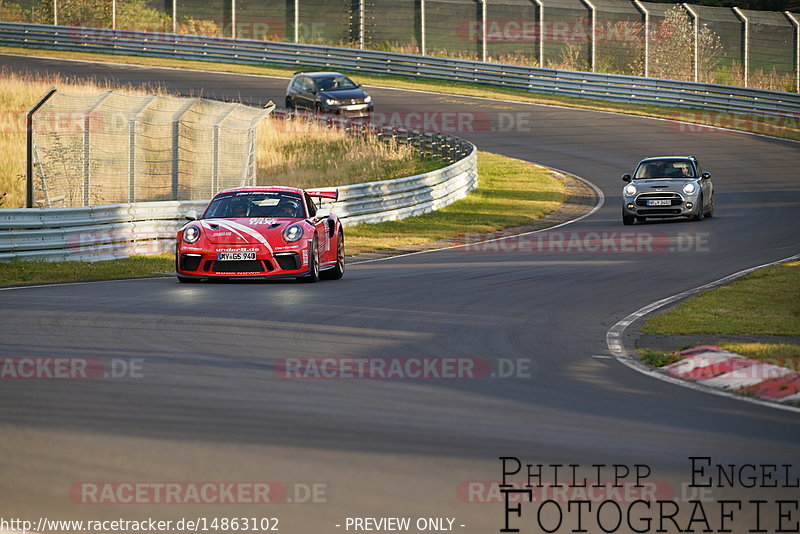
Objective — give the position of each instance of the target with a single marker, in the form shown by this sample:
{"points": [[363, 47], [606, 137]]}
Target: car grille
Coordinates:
{"points": [[190, 262], [674, 198], [241, 266], [288, 261]]}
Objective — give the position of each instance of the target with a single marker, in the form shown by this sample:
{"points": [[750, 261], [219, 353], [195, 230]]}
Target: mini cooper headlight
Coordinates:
{"points": [[293, 233], [688, 188], [331, 102], [630, 190], [191, 234]]}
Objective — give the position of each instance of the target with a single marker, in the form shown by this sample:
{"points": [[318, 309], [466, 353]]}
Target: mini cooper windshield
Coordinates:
{"points": [[677, 168], [256, 204]]}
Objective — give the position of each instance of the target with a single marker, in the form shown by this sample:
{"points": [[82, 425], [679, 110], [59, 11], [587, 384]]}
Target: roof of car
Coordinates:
{"points": [[652, 158], [264, 188], [319, 74]]}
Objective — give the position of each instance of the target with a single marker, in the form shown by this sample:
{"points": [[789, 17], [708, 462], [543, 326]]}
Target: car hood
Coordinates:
{"points": [[244, 230], [666, 184], [345, 94]]}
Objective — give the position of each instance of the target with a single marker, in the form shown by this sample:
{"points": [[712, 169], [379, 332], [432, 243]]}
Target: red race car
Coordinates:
{"points": [[261, 232]]}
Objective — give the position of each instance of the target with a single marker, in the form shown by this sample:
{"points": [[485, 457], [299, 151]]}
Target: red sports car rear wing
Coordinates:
{"points": [[324, 194]]}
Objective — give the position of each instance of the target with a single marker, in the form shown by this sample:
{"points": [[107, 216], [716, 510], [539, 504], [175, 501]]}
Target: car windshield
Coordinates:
{"points": [[255, 204], [335, 83], [677, 168]]}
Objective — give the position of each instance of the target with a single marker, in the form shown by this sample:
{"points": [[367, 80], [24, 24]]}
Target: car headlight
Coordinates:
{"points": [[191, 234], [368, 99], [293, 233], [688, 188], [630, 190], [331, 102]]}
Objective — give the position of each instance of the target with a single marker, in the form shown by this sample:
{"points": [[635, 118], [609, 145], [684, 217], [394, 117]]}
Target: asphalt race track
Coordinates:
{"points": [[208, 403]]}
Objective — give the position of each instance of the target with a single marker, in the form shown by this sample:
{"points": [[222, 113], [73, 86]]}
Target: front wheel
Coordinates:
{"points": [[290, 105], [627, 220], [313, 262], [710, 212], [700, 210], [337, 272], [187, 280]]}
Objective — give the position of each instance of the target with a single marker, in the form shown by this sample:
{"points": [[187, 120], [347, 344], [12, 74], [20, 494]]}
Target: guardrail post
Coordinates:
{"points": [[176, 136], [540, 20], [643, 10], [745, 43], [87, 167], [696, 48], [29, 142], [593, 34], [796, 25]]}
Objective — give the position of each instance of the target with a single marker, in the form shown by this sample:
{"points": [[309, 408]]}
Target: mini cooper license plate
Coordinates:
{"points": [[235, 256], [666, 202]]}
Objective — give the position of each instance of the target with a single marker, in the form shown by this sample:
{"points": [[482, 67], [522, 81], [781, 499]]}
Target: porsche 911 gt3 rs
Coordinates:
{"points": [[262, 232]]}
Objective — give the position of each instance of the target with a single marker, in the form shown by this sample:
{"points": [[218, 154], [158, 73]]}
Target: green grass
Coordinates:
{"points": [[20, 272], [783, 354], [511, 193], [766, 302], [657, 358], [788, 127]]}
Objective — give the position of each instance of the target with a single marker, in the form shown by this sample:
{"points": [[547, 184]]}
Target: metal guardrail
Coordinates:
{"points": [[117, 231], [610, 87]]}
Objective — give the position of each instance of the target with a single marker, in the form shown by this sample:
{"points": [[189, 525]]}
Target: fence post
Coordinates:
{"points": [[174, 16], [233, 20], [87, 168], [796, 25], [132, 118], [423, 44], [593, 33], [176, 136], [215, 151], [745, 43], [362, 21], [540, 6], [643, 10], [483, 30], [113, 14], [296, 21], [55, 12], [29, 141], [696, 51]]}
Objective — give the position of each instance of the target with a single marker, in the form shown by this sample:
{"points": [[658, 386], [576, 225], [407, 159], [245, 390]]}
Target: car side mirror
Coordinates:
{"points": [[191, 215], [626, 177], [706, 176], [322, 213]]}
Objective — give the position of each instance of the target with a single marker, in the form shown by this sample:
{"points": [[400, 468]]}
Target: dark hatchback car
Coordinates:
{"points": [[328, 92]]}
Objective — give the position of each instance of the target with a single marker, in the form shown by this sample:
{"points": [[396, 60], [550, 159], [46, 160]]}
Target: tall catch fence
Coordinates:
{"points": [[631, 37], [109, 148]]}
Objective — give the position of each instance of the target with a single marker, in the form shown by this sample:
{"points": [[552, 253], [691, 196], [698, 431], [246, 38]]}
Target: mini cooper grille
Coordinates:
{"points": [[674, 198], [288, 262], [190, 262], [243, 266]]}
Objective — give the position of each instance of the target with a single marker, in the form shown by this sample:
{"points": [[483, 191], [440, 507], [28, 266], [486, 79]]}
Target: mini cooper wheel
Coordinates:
{"points": [[627, 220], [700, 210], [338, 271], [710, 212]]}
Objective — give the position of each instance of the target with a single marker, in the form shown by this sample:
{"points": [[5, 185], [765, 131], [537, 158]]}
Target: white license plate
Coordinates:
{"points": [[235, 256], [666, 202]]}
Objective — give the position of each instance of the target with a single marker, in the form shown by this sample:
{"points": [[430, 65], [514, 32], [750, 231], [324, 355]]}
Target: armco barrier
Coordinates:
{"points": [[118, 231], [610, 87]]}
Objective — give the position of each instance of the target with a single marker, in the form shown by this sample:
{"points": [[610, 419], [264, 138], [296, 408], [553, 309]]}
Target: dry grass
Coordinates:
{"points": [[18, 93], [296, 153], [304, 154]]}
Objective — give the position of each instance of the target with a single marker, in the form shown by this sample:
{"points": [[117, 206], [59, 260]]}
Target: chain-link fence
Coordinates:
{"points": [[110, 148], [633, 37]]}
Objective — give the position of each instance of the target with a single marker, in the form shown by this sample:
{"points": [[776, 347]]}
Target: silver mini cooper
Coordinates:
{"points": [[667, 186]]}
